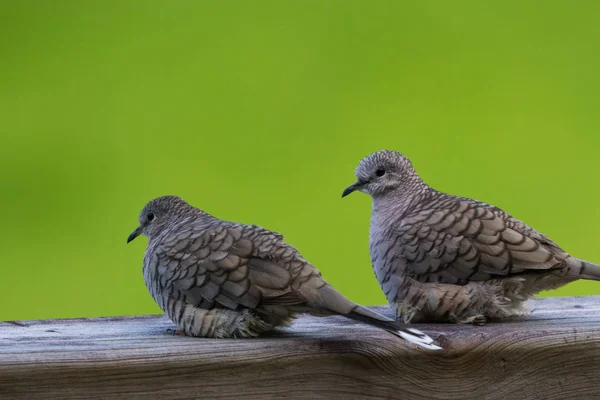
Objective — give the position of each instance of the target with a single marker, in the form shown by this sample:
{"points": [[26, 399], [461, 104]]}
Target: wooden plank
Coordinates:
{"points": [[552, 354]]}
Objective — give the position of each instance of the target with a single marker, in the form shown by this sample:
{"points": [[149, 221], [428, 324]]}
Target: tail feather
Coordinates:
{"points": [[584, 269], [330, 299], [411, 335]]}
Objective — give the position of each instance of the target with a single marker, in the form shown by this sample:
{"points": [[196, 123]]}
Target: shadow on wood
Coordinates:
{"points": [[552, 354]]}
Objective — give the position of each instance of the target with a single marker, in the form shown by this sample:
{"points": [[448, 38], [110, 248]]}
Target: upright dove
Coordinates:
{"points": [[221, 279], [440, 257]]}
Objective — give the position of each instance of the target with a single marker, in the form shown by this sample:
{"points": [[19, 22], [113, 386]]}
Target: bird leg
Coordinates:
{"points": [[478, 320]]}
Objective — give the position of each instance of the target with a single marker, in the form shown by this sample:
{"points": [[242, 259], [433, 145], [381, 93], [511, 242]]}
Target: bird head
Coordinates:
{"points": [[157, 214], [381, 173]]}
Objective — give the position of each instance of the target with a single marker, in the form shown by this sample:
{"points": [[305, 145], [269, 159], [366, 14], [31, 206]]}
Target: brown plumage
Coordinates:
{"points": [[223, 279], [447, 258]]}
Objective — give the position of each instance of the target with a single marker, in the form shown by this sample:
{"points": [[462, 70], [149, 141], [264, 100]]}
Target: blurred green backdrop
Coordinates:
{"points": [[259, 111]]}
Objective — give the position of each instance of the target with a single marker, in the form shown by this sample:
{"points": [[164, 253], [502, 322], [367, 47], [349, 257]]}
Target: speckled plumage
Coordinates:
{"points": [[447, 258], [223, 279]]}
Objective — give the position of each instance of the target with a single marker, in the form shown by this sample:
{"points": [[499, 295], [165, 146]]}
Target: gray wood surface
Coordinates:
{"points": [[553, 353]]}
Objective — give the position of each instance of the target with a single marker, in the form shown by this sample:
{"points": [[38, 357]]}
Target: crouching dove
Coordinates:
{"points": [[223, 279], [439, 257]]}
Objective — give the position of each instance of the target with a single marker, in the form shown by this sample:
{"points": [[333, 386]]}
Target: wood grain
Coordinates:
{"points": [[552, 354]]}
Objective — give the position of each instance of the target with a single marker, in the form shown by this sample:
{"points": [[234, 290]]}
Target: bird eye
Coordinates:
{"points": [[380, 172], [150, 217]]}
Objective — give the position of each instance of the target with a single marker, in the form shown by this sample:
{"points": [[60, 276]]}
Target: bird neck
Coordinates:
{"points": [[393, 206]]}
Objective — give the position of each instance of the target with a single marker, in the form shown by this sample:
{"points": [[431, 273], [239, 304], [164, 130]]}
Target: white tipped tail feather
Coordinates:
{"points": [[417, 337], [396, 328]]}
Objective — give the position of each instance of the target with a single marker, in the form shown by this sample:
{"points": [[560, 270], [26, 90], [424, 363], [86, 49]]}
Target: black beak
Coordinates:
{"points": [[355, 186], [134, 234]]}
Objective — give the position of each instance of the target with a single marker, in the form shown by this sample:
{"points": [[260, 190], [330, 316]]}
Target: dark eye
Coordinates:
{"points": [[380, 172], [150, 217]]}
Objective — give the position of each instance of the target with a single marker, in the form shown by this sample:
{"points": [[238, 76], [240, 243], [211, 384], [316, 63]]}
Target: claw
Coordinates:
{"points": [[478, 320]]}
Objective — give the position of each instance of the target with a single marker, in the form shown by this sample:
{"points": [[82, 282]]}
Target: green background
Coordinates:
{"points": [[259, 111]]}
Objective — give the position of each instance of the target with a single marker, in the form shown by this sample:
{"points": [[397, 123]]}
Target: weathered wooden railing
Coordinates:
{"points": [[554, 353]]}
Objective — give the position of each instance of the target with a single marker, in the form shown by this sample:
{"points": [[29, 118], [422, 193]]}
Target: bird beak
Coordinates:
{"points": [[135, 234], [355, 186]]}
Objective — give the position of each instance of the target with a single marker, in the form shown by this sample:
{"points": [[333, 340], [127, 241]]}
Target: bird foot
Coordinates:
{"points": [[175, 331], [478, 320], [407, 313]]}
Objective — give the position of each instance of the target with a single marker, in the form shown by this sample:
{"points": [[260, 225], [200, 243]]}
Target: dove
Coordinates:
{"points": [[445, 258], [221, 279]]}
